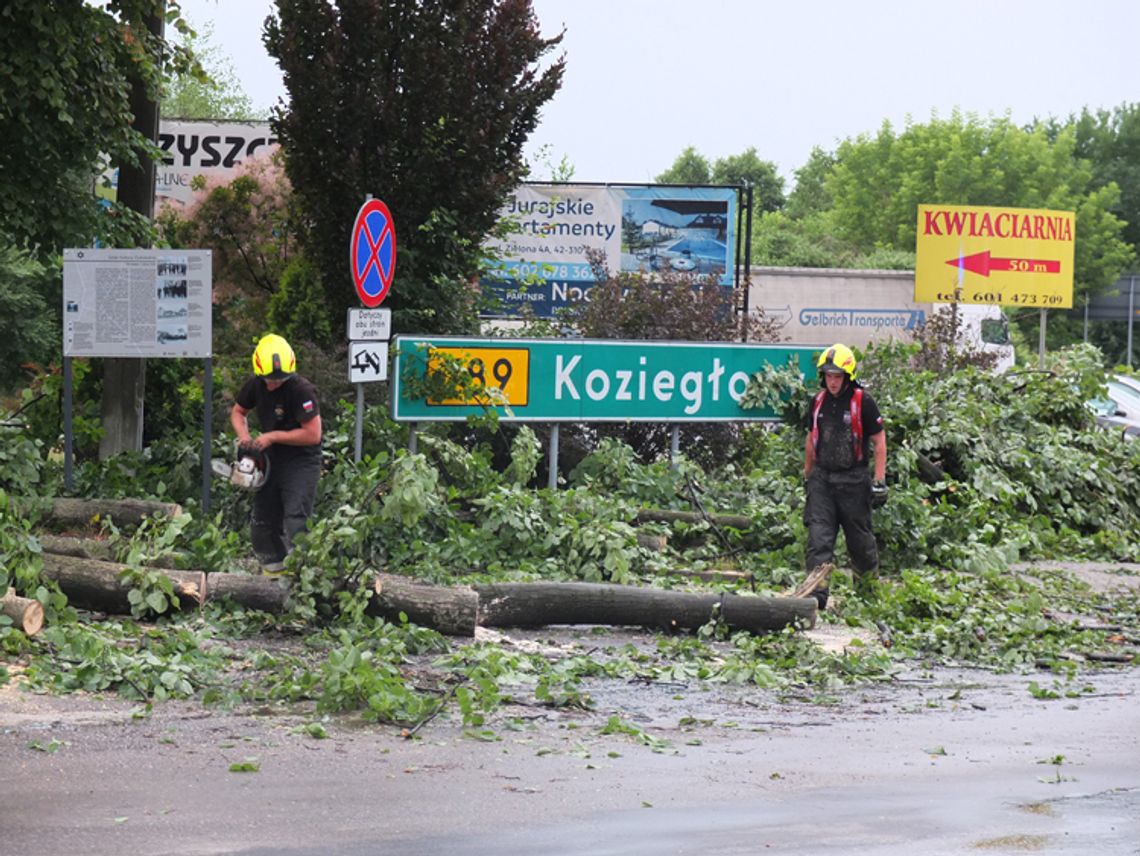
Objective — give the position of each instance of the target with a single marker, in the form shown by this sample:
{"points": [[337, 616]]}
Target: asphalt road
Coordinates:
{"points": [[942, 762]]}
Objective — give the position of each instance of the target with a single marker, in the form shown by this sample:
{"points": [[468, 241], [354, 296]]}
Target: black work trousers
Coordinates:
{"points": [[840, 500], [283, 506]]}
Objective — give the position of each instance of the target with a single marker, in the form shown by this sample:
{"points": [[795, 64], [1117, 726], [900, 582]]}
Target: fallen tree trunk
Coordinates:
{"points": [[540, 604], [97, 585], [267, 594], [71, 511], [449, 609], [455, 610], [661, 515], [26, 614]]}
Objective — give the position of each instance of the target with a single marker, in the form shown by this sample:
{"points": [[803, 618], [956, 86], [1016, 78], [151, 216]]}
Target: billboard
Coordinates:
{"points": [[553, 231], [203, 148], [1007, 256], [137, 303], [198, 148], [594, 380]]}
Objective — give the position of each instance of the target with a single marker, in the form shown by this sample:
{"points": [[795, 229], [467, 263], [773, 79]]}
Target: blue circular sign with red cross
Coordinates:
{"points": [[372, 252]]}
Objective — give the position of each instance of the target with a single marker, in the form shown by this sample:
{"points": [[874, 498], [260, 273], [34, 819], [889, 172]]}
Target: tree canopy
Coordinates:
{"points": [[65, 71], [218, 94], [691, 167], [424, 105]]}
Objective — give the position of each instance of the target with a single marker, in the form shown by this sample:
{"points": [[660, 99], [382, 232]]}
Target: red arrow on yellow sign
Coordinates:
{"points": [[983, 263]]}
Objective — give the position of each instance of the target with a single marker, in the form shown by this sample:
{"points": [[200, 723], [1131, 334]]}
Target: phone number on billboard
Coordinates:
{"points": [[549, 270]]}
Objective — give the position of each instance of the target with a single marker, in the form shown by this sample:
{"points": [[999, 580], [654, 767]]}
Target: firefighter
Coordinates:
{"points": [[844, 433], [289, 417]]}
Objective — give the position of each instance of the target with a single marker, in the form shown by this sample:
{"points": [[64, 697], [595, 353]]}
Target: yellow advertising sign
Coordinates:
{"points": [[1007, 256], [508, 369]]}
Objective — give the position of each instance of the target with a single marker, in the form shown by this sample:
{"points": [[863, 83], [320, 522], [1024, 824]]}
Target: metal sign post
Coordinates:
{"points": [[372, 259]]}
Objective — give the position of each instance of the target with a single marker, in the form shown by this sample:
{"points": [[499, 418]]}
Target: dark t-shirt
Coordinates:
{"points": [[289, 406], [836, 447]]}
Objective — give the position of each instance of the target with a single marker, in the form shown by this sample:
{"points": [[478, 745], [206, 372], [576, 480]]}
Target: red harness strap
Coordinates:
{"points": [[856, 420]]}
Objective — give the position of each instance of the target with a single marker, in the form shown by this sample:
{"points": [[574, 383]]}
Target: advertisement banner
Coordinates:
{"points": [[555, 230], [594, 380], [1004, 256], [205, 149], [137, 303]]}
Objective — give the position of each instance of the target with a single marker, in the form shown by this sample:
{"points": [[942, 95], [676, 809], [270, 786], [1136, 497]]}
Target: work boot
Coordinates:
{"points": [[820, 595], [273, 569]]}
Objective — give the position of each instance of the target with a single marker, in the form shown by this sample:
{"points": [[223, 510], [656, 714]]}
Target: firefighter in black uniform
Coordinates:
{"points": [[290, 419], [844, 431]]}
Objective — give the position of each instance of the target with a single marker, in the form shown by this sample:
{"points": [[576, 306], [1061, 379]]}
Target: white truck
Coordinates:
{"points": [[821, 306]]}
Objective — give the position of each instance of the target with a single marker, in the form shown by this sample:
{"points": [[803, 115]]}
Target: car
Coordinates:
{"points": [[1120, 409]]}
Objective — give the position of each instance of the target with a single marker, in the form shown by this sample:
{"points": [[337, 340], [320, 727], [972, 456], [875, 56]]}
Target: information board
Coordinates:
{"points": [[137, 303]]}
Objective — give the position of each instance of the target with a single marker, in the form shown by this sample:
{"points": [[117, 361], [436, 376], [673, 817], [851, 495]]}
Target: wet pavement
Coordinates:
{"points": [[939, 762]]}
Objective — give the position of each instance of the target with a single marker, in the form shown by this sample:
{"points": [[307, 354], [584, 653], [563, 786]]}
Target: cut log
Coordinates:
{"points": [[91, 548], [26, 614], [540, 604], [267, 594], [661, 515], [81, 548], [71, 511], [449, 609], [96, 585]]}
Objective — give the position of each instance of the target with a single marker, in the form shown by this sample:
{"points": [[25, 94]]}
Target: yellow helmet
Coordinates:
{"points": [[273, 358], [837, 358]]}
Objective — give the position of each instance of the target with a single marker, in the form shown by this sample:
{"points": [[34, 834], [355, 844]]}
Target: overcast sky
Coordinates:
{"points": [[646, 78]]}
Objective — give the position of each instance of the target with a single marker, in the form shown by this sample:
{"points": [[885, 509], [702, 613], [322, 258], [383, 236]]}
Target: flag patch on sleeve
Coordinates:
{"points": [[308, 406]]}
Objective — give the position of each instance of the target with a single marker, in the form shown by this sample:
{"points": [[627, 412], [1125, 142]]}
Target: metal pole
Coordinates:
{"points": [[1087, 301], [68, 476], [747, 268], [1131, 314], [359, 422], [207, 430], [1041, 343], [674, 445], [552, 458], [412, 438]]}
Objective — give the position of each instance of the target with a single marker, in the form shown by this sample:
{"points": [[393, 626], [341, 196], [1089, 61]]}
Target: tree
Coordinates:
{"points": [[24, 284], [217, 96], [425, 105], [690, 167], [878, 182], [251, 224], [810, 196], [747, 168], [1110, 140], [65, 71]]}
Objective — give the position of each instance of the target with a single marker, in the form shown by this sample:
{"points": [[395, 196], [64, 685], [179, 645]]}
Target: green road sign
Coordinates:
{"points": [[590, 380]]}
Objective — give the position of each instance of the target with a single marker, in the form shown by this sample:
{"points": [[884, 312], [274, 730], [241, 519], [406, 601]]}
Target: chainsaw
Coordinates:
{"points": [[249, 472]]}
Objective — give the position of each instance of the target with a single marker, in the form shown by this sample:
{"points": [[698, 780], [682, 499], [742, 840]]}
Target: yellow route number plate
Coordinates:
{"points": [[505, 369]]}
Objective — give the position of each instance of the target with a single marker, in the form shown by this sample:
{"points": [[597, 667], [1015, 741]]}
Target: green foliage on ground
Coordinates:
{"points": [[984, 470]]}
